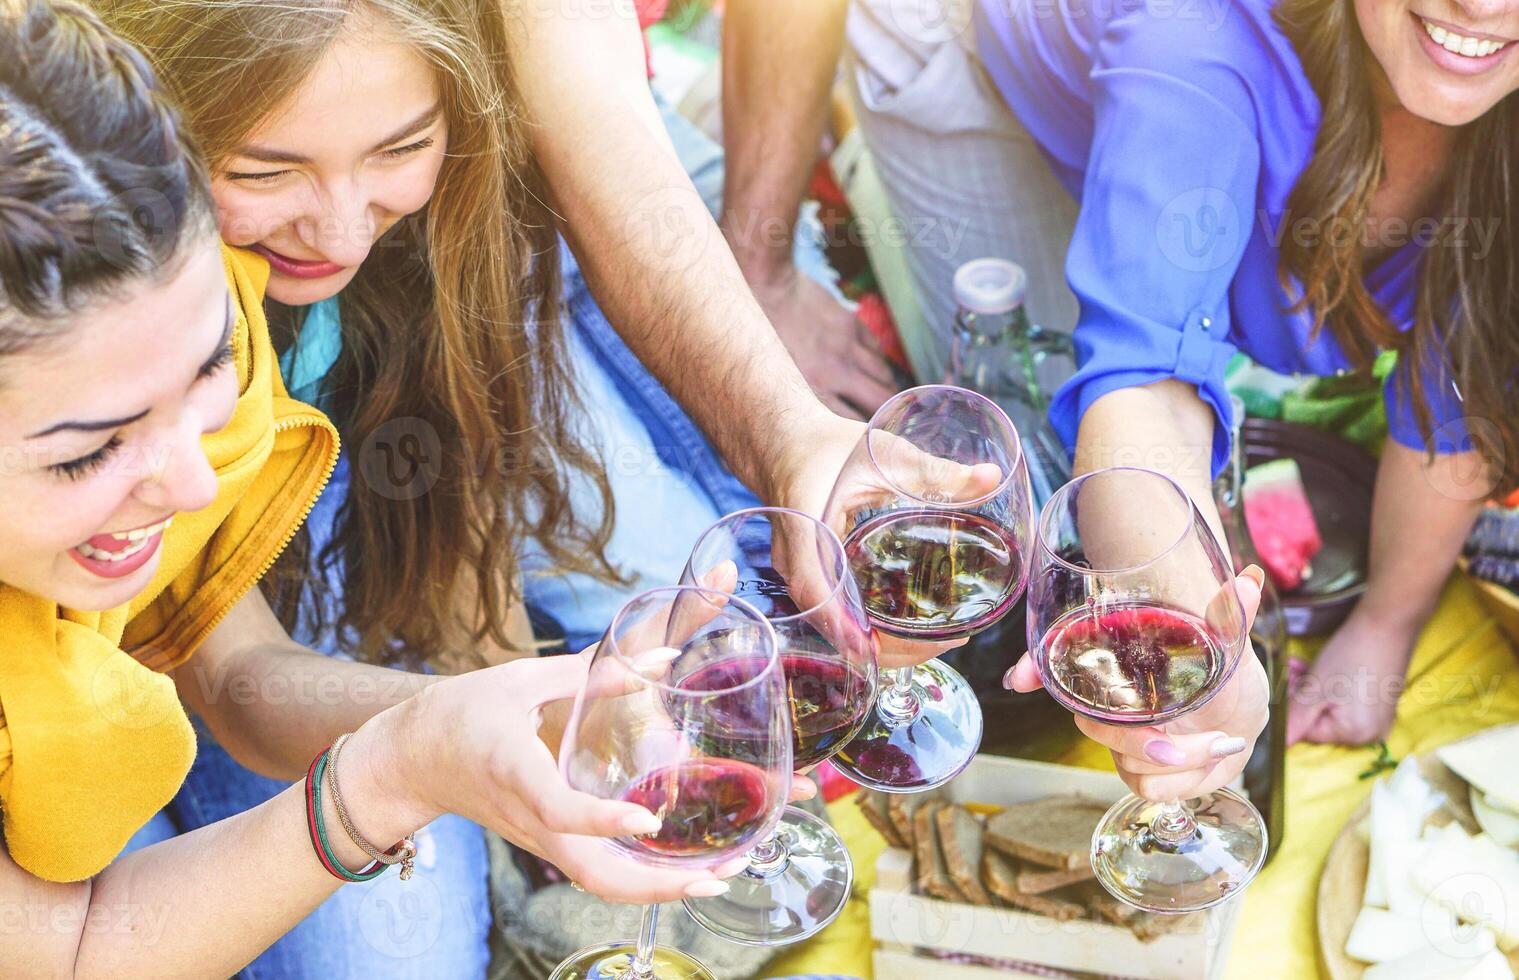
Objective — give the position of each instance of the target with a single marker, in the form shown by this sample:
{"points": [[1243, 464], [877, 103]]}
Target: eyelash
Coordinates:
{"points": [[76, 469], [391, 154]]}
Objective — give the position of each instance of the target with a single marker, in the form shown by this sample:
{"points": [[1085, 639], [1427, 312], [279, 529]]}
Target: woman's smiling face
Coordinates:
{"points": [[357, 147], [100, 434], [1448, 61]]}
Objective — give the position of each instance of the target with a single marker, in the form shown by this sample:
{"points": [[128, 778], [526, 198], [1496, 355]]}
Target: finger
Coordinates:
{"points": [[842, 406], [865, 393], [563, 810], [616, 878], [1023, 677], [1302, 717], [1250, 583], [1178, 785], [867, 358], [722, 577], [802, 788], [893, 651], [1154, 746]]}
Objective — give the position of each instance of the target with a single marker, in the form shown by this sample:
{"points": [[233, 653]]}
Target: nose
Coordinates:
{"points": [[341, 226], [1491, 15], [178, 477]]}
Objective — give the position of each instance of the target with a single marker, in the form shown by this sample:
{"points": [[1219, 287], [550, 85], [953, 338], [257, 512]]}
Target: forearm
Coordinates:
{"points": [[651, 253], [1416, 533], [274, 706], [206, 903], [779, 62], [1164, 427]]}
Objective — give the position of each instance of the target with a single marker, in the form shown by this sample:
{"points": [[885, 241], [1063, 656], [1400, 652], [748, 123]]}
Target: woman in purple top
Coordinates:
{"points": [[1309, 182]]}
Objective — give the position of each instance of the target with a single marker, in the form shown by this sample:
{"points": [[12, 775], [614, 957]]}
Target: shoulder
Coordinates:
{"points": [[1231, 50]]}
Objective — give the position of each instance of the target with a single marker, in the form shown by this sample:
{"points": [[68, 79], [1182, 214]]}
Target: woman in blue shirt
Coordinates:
{"points": [[1310, 182]]}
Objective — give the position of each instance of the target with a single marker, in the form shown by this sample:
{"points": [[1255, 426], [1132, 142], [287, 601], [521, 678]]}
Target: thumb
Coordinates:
{"points": [[1302, 717], [1023, 677], [1250, 584]]}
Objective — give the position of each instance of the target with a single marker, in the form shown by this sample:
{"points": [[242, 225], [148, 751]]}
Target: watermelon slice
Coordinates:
{"points": [[1281, 521]]}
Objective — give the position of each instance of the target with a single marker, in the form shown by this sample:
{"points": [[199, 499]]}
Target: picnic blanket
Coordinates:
{"points": [[1464, 677]]}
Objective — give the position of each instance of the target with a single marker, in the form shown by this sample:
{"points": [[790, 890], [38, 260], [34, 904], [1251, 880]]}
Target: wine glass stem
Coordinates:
{"points": [[643, 960], [1173, 824], [769, 857], [899, 703]]}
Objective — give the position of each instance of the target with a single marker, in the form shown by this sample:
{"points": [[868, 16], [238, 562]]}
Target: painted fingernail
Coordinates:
{"points": [[805, 789], [1224, 747], [639, 824], [1164, 753], [707, 889], [1007, 678]]}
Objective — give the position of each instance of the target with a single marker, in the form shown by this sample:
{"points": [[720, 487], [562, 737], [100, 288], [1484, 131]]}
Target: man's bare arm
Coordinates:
{"points": [[650, 251]]}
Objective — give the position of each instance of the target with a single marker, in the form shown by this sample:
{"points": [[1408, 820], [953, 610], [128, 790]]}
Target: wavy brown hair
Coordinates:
{"points": [[451, 321], [1467, 312]]}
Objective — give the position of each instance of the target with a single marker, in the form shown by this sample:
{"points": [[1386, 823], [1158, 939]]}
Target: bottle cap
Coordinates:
{"points": [[990, 286]]}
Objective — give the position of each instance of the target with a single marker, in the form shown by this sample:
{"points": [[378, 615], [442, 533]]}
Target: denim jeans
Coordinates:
{"points": [[668, 483]]}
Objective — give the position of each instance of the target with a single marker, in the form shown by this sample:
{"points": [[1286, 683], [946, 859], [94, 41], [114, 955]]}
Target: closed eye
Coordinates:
{"points": [[408, 149], [76, 469], [259, 178], [219, 360]]}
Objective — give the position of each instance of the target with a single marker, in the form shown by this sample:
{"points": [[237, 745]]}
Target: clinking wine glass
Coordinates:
{"points": [[793, 569], [1133, 619], [684, 712], [935, 512]]}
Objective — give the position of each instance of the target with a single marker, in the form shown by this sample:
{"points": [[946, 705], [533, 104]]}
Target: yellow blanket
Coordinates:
{"points": [[1463, 678]]}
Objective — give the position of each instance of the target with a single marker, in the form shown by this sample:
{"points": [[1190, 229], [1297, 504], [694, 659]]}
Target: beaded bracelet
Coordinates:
{"points": [[316, 826]]}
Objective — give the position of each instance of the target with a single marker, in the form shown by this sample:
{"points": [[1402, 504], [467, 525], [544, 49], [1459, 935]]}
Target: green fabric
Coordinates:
{"points": [[1351, 406]]}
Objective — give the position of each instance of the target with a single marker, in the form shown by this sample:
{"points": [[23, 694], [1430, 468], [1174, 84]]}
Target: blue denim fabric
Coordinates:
{"points": [[668, 483]]}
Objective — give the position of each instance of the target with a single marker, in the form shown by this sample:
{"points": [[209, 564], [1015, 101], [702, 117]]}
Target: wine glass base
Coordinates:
{"points": [[614, 961], [801, 894], [1207, 868], [924, 751]]}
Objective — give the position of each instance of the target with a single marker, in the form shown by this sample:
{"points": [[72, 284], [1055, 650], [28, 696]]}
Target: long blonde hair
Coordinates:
{"points": [[1468, 307], [452, 321]]}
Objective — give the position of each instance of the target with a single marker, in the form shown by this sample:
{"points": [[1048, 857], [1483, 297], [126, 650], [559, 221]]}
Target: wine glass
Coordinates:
{"points": [[793, 569], [1133, 619], [684, 711], [934, 510]]}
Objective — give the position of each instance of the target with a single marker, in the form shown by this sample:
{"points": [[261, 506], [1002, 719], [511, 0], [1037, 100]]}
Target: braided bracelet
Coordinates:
{"points": [[405, 850], [316, 826]]}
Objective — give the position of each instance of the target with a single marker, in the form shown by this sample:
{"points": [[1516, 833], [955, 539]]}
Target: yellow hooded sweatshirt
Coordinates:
{"points": [[93, 739]]}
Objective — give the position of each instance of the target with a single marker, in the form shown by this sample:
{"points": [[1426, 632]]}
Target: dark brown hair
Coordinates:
{"points": [[451, 325], [99, 186], [1467, 310]]}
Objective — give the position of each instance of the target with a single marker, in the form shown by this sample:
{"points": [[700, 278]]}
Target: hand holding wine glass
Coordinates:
{"points": [[684, 713], [935, 511], [1196, 753], [1136, 620]]}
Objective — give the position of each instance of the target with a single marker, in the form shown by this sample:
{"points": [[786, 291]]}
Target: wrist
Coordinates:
{"points": [[383, 777], [761, 245]]}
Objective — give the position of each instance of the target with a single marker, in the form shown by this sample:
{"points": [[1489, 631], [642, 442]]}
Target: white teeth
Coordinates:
{"points": [[1470, 47], [135, 541]]}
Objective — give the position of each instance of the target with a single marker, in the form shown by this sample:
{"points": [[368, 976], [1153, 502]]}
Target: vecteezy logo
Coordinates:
{"points": [[126, 693], [402, 459], [1199, 230], [929, 21], [671, 226]]}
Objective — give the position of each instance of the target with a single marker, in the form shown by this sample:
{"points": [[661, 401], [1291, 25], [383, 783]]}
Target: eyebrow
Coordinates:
{"points": [[104, 424], [265, 154]]}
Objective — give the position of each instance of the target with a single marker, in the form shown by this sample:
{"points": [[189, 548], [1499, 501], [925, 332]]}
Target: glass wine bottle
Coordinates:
{"points": [[1265, 773], [998, 352]]}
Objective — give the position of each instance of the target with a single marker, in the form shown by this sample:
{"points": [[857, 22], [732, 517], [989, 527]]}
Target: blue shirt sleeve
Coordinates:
{"points": [[1166, 212], [1447, 414]]}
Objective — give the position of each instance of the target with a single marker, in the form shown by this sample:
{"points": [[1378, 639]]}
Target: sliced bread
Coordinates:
{"points": [[960, 840], [872, 805], [1055, 832], [1000, 875], [932, 874]]}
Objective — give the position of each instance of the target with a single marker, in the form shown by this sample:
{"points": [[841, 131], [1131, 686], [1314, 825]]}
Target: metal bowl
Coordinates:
{"points": [[1340, 479]]}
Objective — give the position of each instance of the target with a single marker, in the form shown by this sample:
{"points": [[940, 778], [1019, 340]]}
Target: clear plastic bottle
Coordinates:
{"points": [[999, 353], [1265, 773]]}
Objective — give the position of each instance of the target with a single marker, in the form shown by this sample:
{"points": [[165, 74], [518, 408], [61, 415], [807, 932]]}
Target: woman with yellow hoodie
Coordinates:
{"points": [[153, 467]]}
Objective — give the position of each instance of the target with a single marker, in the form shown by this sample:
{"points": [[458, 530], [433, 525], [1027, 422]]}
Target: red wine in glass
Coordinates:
{"points": [[1128, 662], [707, 805], [829, 701], [934, 574]]}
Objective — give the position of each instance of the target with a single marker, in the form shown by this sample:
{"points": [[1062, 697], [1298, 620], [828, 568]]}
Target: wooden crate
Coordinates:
{"points": [[907, 928]]}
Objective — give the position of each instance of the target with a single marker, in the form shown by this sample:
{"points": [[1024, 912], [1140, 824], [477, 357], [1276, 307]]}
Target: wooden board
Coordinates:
{"points": [[1343, 881]]}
